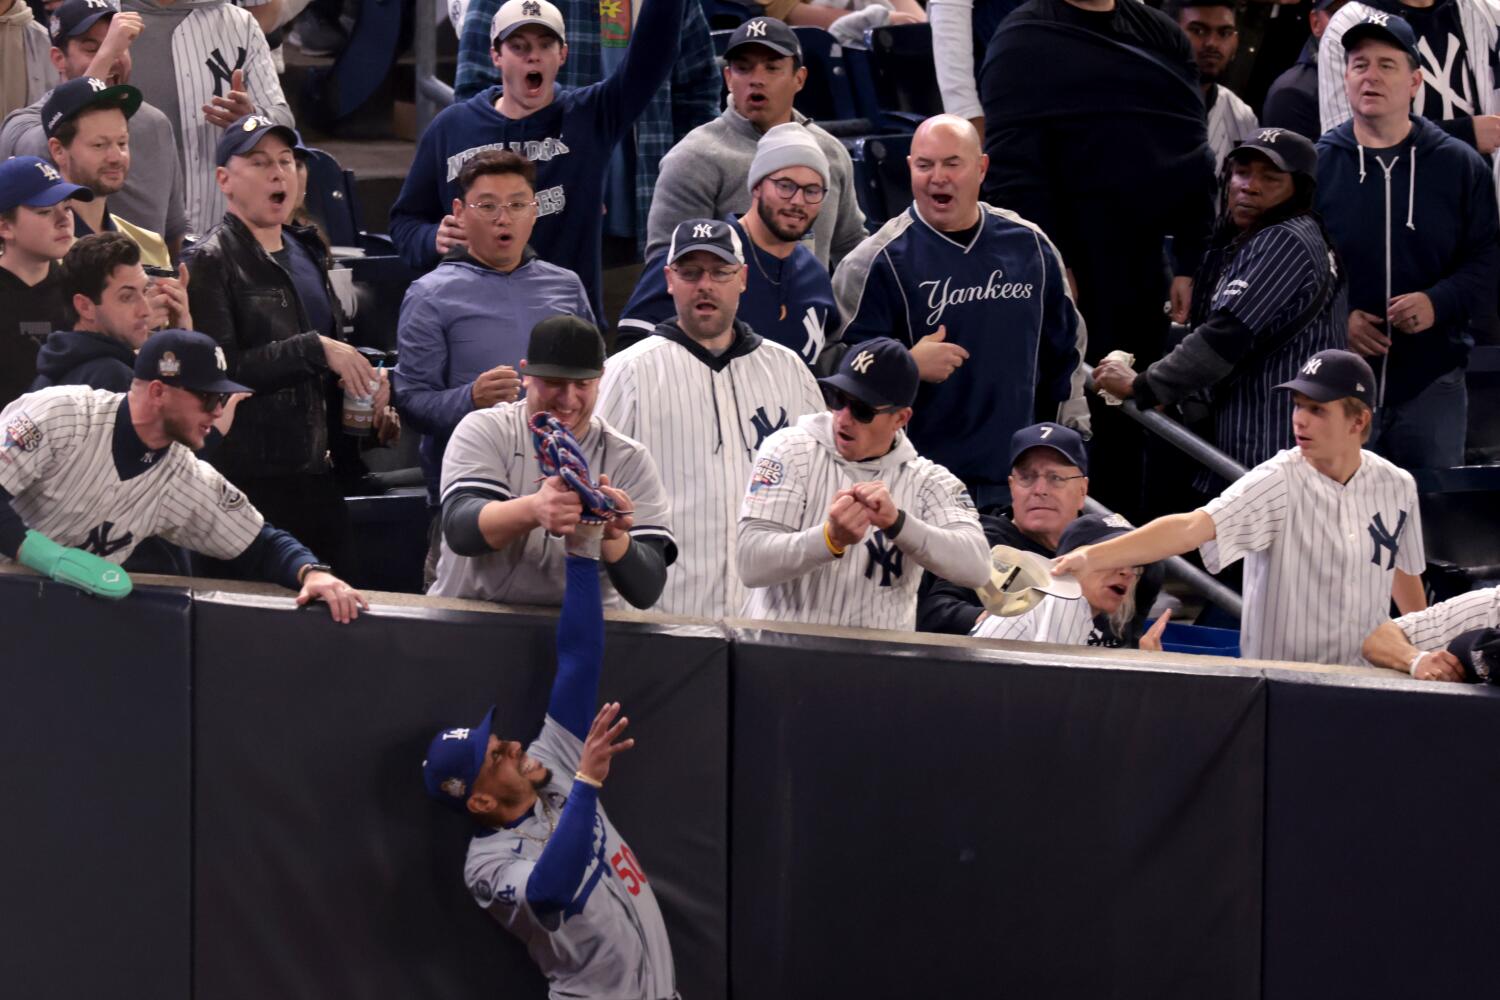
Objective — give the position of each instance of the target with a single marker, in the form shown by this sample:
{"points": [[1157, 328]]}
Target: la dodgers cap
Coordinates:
{"points": [[1334, 374], [713, 235], [1386, 27], [454, 758], [35, 183], [1287, 151], [880, 372], [244, 134], [75, 17], [515, 14], [82, 93], [565, 347], [187, 359], [1064, 440], [767, 32]]}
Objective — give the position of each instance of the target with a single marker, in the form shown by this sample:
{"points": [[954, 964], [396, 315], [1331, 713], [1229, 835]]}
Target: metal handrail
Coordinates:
{"points": [[433, 95], [1183, 571], [1178, 436]]}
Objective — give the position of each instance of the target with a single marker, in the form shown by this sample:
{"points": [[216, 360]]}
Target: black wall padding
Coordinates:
{"points": [[1382, 812], [909, 828], [94, 779], [323, 870]]}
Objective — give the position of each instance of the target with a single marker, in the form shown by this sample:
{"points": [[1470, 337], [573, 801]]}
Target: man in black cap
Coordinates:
{"points": [[839, 501], [87, 475], [1269, 295], [1330, 533], [1430, 644], [505, 527]]}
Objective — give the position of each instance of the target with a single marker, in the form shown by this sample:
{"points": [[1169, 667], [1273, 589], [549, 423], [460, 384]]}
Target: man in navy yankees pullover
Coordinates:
{"points": [[979, 297], [569, 134]]}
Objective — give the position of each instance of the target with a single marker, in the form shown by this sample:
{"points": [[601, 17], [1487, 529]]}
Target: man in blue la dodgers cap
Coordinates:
{"points": [[841, 511]]}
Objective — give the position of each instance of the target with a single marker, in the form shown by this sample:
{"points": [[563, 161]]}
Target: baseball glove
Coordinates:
{"points": [[558, 454]]}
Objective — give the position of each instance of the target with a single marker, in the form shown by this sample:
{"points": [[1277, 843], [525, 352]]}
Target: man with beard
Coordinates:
{"points": [[1211, 31], [86, 475], [92, 39], [788, 298]]}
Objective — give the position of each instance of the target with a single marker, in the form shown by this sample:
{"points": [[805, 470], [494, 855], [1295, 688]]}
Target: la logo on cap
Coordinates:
{"points": [[168, 366], [702, 231], [756, 29], [862, 362], [49, 171], [1311, 368]]}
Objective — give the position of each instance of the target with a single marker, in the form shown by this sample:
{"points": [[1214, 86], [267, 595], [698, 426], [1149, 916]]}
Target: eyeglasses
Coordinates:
{"points": [[811, 193], [692, 274], [1203, 32], [211, 400], [511, 209], [837, 400], [1027, 480]]}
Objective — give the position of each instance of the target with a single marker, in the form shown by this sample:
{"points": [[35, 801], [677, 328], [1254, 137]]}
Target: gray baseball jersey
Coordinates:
{"points": [[703, 419], [610, 942], [1320, 556], [77, 478], [782, 554], [491, 453], [1435, 627]]}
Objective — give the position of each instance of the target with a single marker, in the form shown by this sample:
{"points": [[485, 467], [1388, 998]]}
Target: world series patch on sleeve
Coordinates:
{"points": [[768, 472]]}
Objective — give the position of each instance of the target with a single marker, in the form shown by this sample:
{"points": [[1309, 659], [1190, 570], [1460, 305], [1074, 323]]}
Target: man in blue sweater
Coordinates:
{"points": [[569, 134], [1412, 212]]}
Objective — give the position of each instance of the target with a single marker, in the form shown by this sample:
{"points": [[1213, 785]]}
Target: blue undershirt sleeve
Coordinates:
{"points": [[580, 648], [555, 878], [274, 555]]}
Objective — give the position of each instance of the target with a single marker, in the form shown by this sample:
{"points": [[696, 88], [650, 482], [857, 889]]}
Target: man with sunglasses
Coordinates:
{"points": [[839, 502], [705, 361], [86, 475]]}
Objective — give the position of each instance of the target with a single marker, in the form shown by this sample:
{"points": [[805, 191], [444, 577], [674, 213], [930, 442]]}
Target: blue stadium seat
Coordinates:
{"points": [[827, 96], [859, 68], [332, 198], [881, 175], [726, 14], [901, 60]]}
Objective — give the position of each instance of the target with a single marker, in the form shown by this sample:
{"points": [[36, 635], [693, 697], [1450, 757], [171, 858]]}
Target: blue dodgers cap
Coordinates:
{"points": [[85, 93], [880, 372], [1385, 27], [1090, 529], [1064, 440], [74, 17], [186, 359], [1334, 374], [35, 183], [245, 134], [454, 758]]}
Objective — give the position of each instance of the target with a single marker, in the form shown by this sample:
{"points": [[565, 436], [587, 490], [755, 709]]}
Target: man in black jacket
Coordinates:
{"points": [[260, 288]]}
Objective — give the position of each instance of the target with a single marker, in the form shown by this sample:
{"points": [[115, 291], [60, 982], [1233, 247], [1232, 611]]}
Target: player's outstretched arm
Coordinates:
{"points": [[1166, 536], [580, 648], [1389, 647]]}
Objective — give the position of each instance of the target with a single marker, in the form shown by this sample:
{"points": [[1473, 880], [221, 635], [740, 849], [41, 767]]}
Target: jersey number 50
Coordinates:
{"points": [[629, 870]]}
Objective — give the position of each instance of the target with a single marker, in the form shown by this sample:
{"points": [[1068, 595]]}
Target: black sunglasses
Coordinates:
{"points": [[837, 399], [212, 400]]}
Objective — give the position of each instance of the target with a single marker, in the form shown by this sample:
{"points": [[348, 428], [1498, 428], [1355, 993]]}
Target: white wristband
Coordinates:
{"points": [[1412, 668]]}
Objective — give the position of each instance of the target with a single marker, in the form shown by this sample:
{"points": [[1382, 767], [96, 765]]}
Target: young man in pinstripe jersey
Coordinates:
{"points": [[1330, 533], [1418, 643]]}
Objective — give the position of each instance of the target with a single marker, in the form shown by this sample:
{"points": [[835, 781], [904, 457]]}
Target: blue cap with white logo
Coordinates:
{"points": [[1064, 440], [35, 183], [880, 372], [454, 759], [245, 134], [1334, 374], [1387, 28]]}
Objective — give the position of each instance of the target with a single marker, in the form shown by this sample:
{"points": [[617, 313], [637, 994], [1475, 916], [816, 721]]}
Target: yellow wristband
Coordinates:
{"points": [[587, 780], [837, 550]]}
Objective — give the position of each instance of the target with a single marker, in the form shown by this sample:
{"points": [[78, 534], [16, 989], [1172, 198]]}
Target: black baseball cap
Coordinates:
{"points": [[83, 93], [1479, 652], [714, 235], [1330, 375], [565, 347], [1287, 151], [1091, 529], [1387, 28], [768, 33], [1064, 440], [245, 134], [35, 183], [186, 359], [75, 17], [880, 372]]}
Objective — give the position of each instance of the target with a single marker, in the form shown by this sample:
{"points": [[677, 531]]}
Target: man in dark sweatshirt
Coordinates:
{"points": [[569, 134], [1412, 212], [1292, 101]]}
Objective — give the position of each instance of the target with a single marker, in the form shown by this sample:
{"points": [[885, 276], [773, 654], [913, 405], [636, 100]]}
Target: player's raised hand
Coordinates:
{"points": [[936, 358], [500, 384], [557, 508], [1438, 665], [603, 742], [876, 499], [1152, 639], [344, 602], [225, 111], [1074, 564], [848, 520]]}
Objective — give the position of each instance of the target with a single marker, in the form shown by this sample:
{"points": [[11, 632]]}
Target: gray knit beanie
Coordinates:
{"points": [[786, 145]]}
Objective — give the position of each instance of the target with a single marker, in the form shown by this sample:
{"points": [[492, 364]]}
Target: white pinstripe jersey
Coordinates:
{"points": [[1053, 619], [874, 585], [491, 453], [1435, 627], [1230, 120], [1319, 556], [703, 419], [57, 461]]}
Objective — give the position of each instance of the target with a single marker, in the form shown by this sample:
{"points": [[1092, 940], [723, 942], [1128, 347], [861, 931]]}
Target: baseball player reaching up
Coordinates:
{"points": [[1419, 643], [87, 475], [839, 501], [546, 862], [1330, 533]]}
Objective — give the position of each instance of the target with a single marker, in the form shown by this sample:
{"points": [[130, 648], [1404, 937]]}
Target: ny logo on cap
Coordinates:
{"points": [[1376, 17], [862, 362], [1269, 135], [702, 231], [49, 171], [256, 121], [98, 5], [97, 84], [531, 8], [219, 359], [456, 734], [1312, 366], [756, 28]]}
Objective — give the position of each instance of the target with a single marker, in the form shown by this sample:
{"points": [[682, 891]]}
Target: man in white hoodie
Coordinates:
{"points": [[839, 501], [26, 73]]}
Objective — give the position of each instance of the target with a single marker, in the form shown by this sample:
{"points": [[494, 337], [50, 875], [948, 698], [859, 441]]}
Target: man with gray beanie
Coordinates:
{"points": [[788, 297], [703, 177]]}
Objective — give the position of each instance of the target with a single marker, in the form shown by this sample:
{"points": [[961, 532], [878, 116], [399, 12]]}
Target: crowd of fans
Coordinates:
{"points": [[810, 415]]}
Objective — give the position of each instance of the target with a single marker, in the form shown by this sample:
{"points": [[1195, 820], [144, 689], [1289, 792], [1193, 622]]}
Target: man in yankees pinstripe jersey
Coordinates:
{"points": [[839, 502], [1330, 533], [702, 394], [1417, 643]]}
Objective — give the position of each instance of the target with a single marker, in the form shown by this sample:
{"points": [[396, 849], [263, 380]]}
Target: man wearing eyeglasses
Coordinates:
{"points": [[1211, 31], [87, 475], [464, 327], [841, 513], [702, 394]]}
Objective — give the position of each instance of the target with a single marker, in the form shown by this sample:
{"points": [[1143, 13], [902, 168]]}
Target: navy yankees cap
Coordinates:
{"points": [[75, 17], [714, 235], [1387, 28], [565, 347], [454, 758], [187, 359], [1330, 375], [1479, 652], [246, 133], [880, 372], [68, 99], [1287, 151], [1091, 529], [1064, 440], [767, 32], [35, 183]]}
